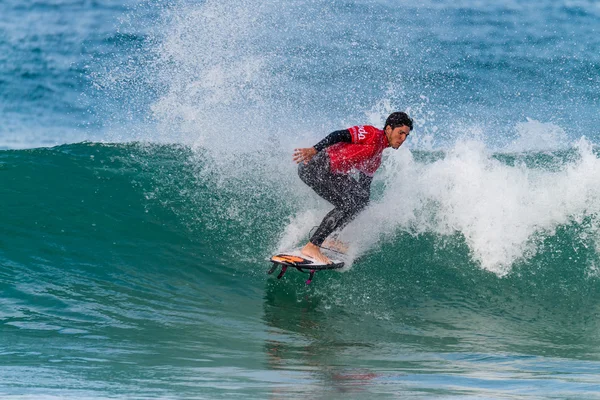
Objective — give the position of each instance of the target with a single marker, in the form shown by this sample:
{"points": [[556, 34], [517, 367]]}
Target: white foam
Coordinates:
{"points": [[499, 209], [297, 230]]}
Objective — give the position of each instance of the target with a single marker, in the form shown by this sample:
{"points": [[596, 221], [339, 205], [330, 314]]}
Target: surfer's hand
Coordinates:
{"points": [[304, 155]]}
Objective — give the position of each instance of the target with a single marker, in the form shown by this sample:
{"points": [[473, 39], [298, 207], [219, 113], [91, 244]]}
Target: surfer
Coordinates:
{"points": [[340, 169]]}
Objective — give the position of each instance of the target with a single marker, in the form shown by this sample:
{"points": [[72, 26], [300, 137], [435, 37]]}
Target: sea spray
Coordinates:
{"points": [[501, 210]]}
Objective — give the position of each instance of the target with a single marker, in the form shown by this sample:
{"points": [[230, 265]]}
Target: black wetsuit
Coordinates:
{"points": [[347, 194]]}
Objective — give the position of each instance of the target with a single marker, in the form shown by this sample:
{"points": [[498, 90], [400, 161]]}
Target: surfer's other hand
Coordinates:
{"points": [[304, 154]]}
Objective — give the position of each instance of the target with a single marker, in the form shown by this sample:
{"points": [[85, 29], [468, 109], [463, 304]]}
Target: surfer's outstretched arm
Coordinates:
{"points": [[306, 154], [333, 138]]}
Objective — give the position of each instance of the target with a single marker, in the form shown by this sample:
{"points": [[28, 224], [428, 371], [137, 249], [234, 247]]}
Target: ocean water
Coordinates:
{"points": [[146, 177]]}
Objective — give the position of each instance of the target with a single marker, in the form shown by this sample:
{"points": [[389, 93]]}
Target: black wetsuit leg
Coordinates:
{"points": [[348, 195]]}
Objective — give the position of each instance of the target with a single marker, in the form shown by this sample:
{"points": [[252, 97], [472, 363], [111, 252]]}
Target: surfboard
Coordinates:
{"points": [[302, 263]]}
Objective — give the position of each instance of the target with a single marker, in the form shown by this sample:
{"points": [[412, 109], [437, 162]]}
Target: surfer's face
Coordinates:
{"points": [[397, 136]]}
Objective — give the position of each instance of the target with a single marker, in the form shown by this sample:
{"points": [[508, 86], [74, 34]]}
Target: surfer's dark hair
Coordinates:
{"points": [[397, 119]]}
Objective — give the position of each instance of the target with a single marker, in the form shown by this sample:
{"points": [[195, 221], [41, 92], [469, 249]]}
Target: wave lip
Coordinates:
{"points": [[504, 205]]}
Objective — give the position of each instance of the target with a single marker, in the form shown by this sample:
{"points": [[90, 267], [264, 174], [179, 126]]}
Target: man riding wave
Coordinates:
{"points": [[340, 169]]}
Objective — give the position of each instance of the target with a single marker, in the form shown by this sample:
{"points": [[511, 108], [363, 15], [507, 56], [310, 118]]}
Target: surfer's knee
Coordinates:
{"points": [[310, 174], [317, 166]]}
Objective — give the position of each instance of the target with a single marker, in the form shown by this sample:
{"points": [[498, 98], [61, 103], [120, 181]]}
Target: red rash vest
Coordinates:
{"points": [[363, 154]]}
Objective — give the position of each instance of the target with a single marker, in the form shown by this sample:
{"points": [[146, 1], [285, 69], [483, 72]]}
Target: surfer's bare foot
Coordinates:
{"points": [[336, 245], [314, 252]]}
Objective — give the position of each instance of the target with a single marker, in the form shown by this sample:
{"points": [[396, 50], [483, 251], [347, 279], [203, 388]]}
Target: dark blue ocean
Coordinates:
{"points": [[146, 177]]}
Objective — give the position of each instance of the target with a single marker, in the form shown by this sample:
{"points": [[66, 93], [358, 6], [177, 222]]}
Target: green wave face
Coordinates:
{"points": [[160, 251]]}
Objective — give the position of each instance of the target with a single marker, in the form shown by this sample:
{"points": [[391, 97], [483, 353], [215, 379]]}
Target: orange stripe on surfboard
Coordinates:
{"points": [[287, 258]]}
